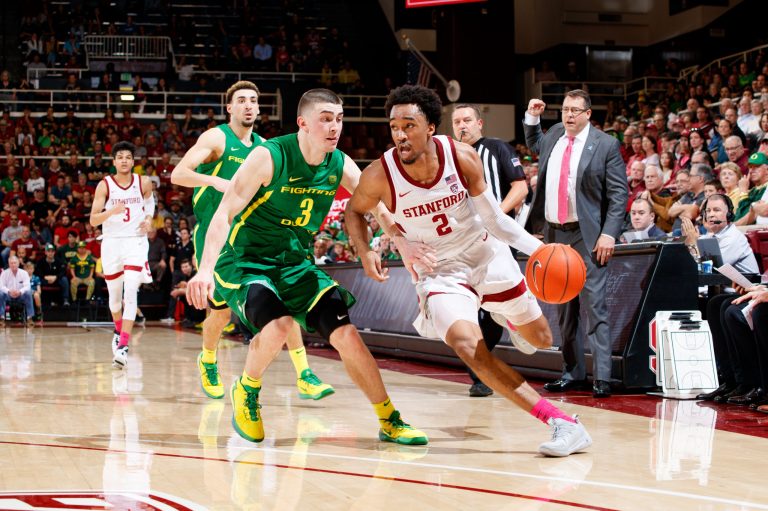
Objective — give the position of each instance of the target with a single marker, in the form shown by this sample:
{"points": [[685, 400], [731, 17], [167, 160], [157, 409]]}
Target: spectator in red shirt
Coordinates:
{"points": [[14, 211], [16, 193], [91, 240], [62, 230], [81, 186], [164, 168], [27, 242], [129, 122], [83, 208], [173, 195], [635, 182], [637, 148], [626, 147], [154, 147]]}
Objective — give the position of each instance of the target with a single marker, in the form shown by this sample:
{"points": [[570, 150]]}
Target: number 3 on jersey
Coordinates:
{"points": [[127, 217], [443, 227], [306, 212]]}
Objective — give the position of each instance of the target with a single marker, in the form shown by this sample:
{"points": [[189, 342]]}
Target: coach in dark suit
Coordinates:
{"points": [[580, 200]]}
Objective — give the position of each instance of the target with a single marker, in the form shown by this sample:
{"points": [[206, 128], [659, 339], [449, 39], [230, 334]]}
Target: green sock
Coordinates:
{"points": [[247, 381], [299, 359], [209, 356]]}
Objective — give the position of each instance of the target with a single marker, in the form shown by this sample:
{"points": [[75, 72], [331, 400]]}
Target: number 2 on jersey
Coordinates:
{"points": [[443, 228]]}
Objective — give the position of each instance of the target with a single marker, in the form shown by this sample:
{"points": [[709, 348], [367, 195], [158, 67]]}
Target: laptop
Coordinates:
{"points": [[709, 250]]}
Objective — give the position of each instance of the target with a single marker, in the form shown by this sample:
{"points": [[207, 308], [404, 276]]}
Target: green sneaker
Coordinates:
{"points": [[246, 417], [310, 386], [396, 430], [209, 378]]}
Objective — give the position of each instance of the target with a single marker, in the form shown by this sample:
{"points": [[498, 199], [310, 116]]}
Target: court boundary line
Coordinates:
{"points": [[599, 484], [336, 472]]}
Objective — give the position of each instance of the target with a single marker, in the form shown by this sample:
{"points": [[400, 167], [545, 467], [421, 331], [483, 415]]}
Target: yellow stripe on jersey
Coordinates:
{"points": [[217, 304], [224, 283], [320, 295], [202, 189], [197, 254], [247, 213]]}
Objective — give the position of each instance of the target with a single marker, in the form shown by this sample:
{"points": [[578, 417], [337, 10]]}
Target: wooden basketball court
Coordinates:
{"points": [[76, 434]]}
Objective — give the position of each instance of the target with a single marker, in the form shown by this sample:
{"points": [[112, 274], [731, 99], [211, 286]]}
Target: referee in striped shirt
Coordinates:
{"points": [[506, 179]]}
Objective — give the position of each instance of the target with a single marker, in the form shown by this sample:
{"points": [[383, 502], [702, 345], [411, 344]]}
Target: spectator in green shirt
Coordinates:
{"points": [[7, 183], [82, 267]]}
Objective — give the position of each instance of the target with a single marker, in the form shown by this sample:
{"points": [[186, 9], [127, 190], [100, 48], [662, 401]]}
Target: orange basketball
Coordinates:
{"points": [[555, 273]]}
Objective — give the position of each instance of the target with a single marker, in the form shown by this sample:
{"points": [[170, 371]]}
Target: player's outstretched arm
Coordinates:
{"points": [[208, 147], [494, 219], [366, 196], [98, 214], [255, 172]]}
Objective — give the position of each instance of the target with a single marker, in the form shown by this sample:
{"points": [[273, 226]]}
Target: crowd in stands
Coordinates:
{"points": [[332, 244], [46, 201], [699, 138], [52, 38]]}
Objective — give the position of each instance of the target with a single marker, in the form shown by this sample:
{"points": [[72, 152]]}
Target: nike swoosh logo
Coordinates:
{"points": [[404, 194], [341, 317], [292, 179], [536, 266], [234, 148]]}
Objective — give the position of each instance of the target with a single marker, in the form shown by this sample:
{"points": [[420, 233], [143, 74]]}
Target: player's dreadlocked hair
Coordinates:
{"points": [[426, 99]]}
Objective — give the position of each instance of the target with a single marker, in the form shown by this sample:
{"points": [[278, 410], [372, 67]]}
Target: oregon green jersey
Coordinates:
{"points": [[81, 268], [278, 225], [206, 199]]}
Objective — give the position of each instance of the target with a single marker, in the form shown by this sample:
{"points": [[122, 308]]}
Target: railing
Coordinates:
{"points": [[22, 160], [128, 47], [43, 72], [364, 108], [260, 75], [155, 105], [600, 92], [357, 107], [727, 60]]}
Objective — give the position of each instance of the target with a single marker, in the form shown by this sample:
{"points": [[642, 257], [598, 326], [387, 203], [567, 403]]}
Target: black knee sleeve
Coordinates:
{"points": [[328, 314], [263, 306]]}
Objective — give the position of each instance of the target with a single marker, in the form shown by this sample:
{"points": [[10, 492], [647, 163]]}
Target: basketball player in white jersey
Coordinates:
{"points": [[436, 191], [124, 204]]}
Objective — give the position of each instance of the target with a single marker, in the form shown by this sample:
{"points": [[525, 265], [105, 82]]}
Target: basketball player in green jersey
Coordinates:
{"points": [[269, 214], [208, 166]]}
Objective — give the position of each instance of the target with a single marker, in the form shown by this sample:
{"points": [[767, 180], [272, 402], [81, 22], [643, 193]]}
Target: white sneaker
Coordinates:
{"points": [[115, 341], [567, 438], [168, 320], [518, 341], [120, 360]]}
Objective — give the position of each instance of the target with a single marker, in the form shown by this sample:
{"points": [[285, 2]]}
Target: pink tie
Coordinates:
{"points": [[562, 189]]}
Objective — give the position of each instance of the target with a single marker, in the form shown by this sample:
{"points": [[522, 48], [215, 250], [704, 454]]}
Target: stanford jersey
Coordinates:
{"points": [[127, 224], [437, 213]]}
